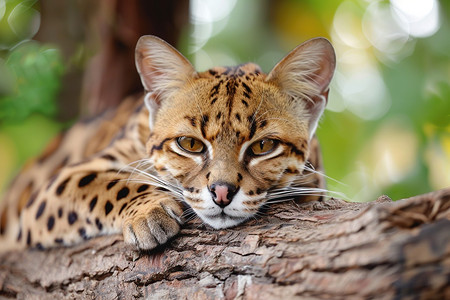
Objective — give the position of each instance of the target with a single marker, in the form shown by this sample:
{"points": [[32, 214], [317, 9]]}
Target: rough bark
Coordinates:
{"points": [[319, 250]]}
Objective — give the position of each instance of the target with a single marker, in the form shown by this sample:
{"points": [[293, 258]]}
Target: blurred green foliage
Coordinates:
{"points": [[387, 126], [19, 20], [390, 136], [30, 79]]}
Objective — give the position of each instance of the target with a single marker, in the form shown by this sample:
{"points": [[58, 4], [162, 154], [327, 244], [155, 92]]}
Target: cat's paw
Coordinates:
{"points": [[153, 225]]}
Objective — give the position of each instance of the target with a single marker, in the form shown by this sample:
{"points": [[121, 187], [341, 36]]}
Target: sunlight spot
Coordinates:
{"points": [[2, 9], [347, 25], [382, 30], [24, 20], [419, 17], [393, 151], [208, 18], [437, 157], [364, 92]]}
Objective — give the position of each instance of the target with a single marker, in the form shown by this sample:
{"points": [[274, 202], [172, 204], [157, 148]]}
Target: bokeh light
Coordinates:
{"points": [[386, 129]]}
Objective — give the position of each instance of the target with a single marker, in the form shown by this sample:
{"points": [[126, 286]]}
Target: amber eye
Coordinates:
{"points": [[263, 147], [190, 144]]}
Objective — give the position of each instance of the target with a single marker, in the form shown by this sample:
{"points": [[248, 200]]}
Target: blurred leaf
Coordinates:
{"points": [[35, 72], [19, 20]]}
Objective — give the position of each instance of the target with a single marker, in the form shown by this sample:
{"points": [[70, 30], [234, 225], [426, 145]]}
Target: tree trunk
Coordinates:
{"points": [[111, 29], [318, 250]]}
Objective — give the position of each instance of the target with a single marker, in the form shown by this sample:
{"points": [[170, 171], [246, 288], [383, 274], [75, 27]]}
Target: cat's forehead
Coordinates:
{"points": [[248, 70]]}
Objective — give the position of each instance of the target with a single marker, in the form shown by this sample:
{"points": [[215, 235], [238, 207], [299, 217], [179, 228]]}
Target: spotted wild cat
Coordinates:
{"points": [[226, 142]]}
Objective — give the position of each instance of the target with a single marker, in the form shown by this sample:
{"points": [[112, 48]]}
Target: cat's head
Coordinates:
{"points": [[230, 135]]}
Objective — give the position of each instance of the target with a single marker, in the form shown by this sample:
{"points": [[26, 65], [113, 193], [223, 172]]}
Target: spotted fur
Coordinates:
{"points": [[126, 170]]}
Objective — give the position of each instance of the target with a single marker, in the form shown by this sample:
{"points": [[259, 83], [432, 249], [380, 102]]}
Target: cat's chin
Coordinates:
{"points": [[222, 220]]}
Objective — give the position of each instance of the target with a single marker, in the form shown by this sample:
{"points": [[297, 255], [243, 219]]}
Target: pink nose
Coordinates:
{"points": [[223, 193]]}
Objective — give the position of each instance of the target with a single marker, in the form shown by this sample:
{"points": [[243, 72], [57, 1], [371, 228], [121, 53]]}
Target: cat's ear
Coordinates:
{"points": [[163, 70], [305, 74]]}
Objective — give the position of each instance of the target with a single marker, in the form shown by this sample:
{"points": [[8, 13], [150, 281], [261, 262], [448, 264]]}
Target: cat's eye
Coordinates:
{"points": [[190, 144], [263, 147]]}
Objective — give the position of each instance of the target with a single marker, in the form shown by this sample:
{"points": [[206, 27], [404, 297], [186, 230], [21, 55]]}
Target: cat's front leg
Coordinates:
{"points": [[92, 199]]}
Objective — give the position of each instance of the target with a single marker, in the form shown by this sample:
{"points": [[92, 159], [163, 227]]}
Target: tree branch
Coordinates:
{"points": [[321, 250]]}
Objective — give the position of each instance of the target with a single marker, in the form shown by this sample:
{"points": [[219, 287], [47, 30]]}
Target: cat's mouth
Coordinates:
{"points": [[222, 219], [214, 215]]}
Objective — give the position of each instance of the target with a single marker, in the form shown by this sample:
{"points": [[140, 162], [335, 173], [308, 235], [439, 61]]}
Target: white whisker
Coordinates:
{"points": [[142, 171], [312, 170], [293, 191]]}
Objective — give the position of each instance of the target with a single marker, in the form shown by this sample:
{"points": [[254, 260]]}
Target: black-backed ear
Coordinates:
{"points": [[163, 71], [305, 74]]}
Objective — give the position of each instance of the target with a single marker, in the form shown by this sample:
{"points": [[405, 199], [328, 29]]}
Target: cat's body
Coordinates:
{"points": [[224, 141]]}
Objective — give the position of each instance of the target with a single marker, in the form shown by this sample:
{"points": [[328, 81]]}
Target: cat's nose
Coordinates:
{"points": [[222, 193]]}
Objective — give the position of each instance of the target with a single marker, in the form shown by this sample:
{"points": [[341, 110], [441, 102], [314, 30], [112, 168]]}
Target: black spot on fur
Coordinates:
{"points": [[28, 238], [142, 188], [238, 117], [59, 241], [31, 199], [212, 72], [61, 187], [239, 177], [207, 175], [39, 246], [215, 89], [109, 157], [108, 207], [291, 171], [19, 236], [251, 192], [218, 116], [72, 217], [4, 222], [238, 133], [98, 224], [244, 102], [231, 90], [93, 203], [82, 233], [192, 120], [263, 124], [247, 88], [203, 124], [51, 181], [252, 130], [213, 100], [111, 184], [296, 151], [258, 191], [122, 208], [40, 210], [122, 193], [87, 179], [60, 212], [50, 223], [138, 196], [158, 147]]}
